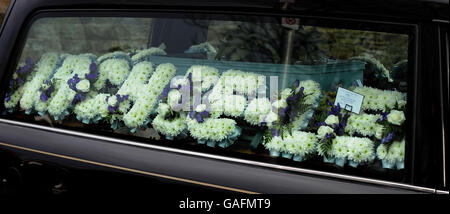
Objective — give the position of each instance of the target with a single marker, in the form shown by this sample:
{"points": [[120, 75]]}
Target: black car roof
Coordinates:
{"points": [[357, 9]]}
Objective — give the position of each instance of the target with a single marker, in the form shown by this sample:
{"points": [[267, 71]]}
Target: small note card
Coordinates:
{"points": [[349, 100]]}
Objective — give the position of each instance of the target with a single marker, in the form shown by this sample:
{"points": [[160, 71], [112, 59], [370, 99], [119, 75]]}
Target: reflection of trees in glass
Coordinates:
{"points": [[307, 46], [386, 47], [263, 42]]}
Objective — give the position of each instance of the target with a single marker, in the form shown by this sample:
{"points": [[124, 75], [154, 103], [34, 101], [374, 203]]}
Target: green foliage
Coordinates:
{"points": [[325, 145]]}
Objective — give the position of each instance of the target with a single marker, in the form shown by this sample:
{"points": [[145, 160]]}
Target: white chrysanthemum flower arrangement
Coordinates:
{"points": [[145, 55], [212, 131], [381, 121], [169, 123], [336, 146], [365, 125], [257, 111], [384, 72], [112, 107], [206, 75], [290, 113], [392, 155], [44, 68], [355, 150], [380, 100], [303, 97], [299, 145], [241, 83], [147, 99], [27, 80], [19, 81], [69, 85], [203, 122], [113, 68]]}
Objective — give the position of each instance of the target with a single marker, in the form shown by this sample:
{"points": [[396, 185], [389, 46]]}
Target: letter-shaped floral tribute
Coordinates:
{"points": [[352, 138], [287, 116]]}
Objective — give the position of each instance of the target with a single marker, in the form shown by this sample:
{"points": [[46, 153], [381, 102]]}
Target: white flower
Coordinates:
{"points": [[92, 107], [279, 104], [149, 52], [382, 151], [234, 105], [323, 130], [257, 109], [112, 100], [332, 119], [211, 129], [309, 87], [200, 108], [379, 132], [359, 149], [206, 74], [401, 103], [396, 151], [376, 99], [83, 85], [43, 70], [286, 93], [396, 117], [244, 83], [147, 98], [270, 118], [364, 124], [169, 127], [173, 98]]}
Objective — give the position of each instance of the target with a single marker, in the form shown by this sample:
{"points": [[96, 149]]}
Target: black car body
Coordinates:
{"points": [[55, 158]]}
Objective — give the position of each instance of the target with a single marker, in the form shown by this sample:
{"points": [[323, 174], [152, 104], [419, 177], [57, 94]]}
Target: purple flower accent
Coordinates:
{"points": [[120, 99], [93, 74], [45, 95], [335, 110], [300, 92], [383, 118], [165, 92], [321, 124], [8, 97], [19, 81], [204, 114], [388, 138], [73, 82], [297, 83], [199, 118], [11, 83], [274, 132], [327, 136], [27, 67], [77, 98], [282, 112], [190, 77], [192, 114], [111, 109]]}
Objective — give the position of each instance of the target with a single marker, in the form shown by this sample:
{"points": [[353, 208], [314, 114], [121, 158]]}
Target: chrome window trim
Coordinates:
{"points": [[441, 21], [444, 176], [441, 192], [223, 158]]}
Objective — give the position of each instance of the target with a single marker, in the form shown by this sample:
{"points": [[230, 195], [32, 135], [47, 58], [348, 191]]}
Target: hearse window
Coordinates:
{"points": [[281, 90]]}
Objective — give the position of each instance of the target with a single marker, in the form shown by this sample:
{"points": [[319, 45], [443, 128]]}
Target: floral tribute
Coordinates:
{"points": [[287, 116], [352, 138], [215, 108]]}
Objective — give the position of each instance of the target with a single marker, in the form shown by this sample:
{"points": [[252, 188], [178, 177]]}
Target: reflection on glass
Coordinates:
{"points": [[253, 87]]}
